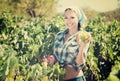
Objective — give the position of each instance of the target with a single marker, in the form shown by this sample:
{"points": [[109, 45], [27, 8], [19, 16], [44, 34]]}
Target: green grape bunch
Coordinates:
{"points": [[83, 37]]}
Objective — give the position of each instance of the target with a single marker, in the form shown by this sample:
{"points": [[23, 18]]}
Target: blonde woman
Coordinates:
{"points": [[70, 48]]}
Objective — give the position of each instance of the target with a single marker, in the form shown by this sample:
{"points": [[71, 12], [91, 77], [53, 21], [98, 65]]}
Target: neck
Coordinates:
{"points": [[71, 32]]}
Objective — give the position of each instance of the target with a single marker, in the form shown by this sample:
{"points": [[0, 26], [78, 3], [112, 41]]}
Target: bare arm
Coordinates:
{"points": [[81, 55], [84, 45]]}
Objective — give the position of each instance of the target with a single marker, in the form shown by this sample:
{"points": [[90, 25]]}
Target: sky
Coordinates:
{"points": [[98, 5]]}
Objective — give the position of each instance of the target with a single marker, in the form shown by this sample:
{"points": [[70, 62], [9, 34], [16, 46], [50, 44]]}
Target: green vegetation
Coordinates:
{"points": [[104, 50], [23, 43], [30, 8], [20, 41]]}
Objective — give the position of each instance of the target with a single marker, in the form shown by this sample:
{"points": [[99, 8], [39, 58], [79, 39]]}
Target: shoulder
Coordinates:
{"points": [[61, 33]]}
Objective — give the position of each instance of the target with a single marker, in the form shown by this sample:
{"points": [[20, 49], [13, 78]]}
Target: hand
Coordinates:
{"points": [[83, 37], [45, 59], [49, 59]]}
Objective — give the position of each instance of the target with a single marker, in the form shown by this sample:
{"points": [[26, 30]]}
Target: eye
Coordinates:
{"points": [[65, 18], [72, 17]]}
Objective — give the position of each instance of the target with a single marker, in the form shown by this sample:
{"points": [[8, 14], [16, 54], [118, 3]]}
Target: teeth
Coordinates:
{"points": [[69, 24]]}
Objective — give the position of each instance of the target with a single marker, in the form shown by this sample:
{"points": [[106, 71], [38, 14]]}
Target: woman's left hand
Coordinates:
{"points": [[83, 37]]}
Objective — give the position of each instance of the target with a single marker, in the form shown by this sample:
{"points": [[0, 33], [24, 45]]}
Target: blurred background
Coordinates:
{"points": [[50, 8]]}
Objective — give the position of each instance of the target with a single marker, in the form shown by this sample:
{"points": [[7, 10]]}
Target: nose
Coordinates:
{"points": [[69, 20]]}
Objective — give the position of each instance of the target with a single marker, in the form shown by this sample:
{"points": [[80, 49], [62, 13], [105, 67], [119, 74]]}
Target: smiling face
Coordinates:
{"points": [[71, 19]]}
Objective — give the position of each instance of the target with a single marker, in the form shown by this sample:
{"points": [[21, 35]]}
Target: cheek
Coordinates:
{"points": [[76, 22], [64, 21]]}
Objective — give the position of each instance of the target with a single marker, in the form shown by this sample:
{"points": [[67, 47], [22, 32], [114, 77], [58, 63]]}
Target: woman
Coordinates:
{"points": [[69, 48]]}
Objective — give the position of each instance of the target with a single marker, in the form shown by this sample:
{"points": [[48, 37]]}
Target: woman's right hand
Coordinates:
{"points": [[45, 59], [50, 59]]}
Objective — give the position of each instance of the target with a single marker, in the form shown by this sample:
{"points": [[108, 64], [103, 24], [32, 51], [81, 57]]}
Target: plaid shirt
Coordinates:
{"points": [[66, 53]]}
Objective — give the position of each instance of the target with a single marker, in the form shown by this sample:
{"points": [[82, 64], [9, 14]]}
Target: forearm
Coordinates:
{"points": [[80, 59]]}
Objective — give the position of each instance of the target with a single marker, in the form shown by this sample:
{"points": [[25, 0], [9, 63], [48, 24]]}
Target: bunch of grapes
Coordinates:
{"points": [[84, 37]]}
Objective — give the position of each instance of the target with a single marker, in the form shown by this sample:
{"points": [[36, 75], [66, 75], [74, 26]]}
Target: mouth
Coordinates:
{"points": [[69, 25]]}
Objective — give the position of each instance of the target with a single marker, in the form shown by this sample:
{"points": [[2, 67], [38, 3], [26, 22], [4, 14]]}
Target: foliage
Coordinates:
{"points": [[25, 38], [115, 74], [105, 48], [23, 44], [30, 8]]}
